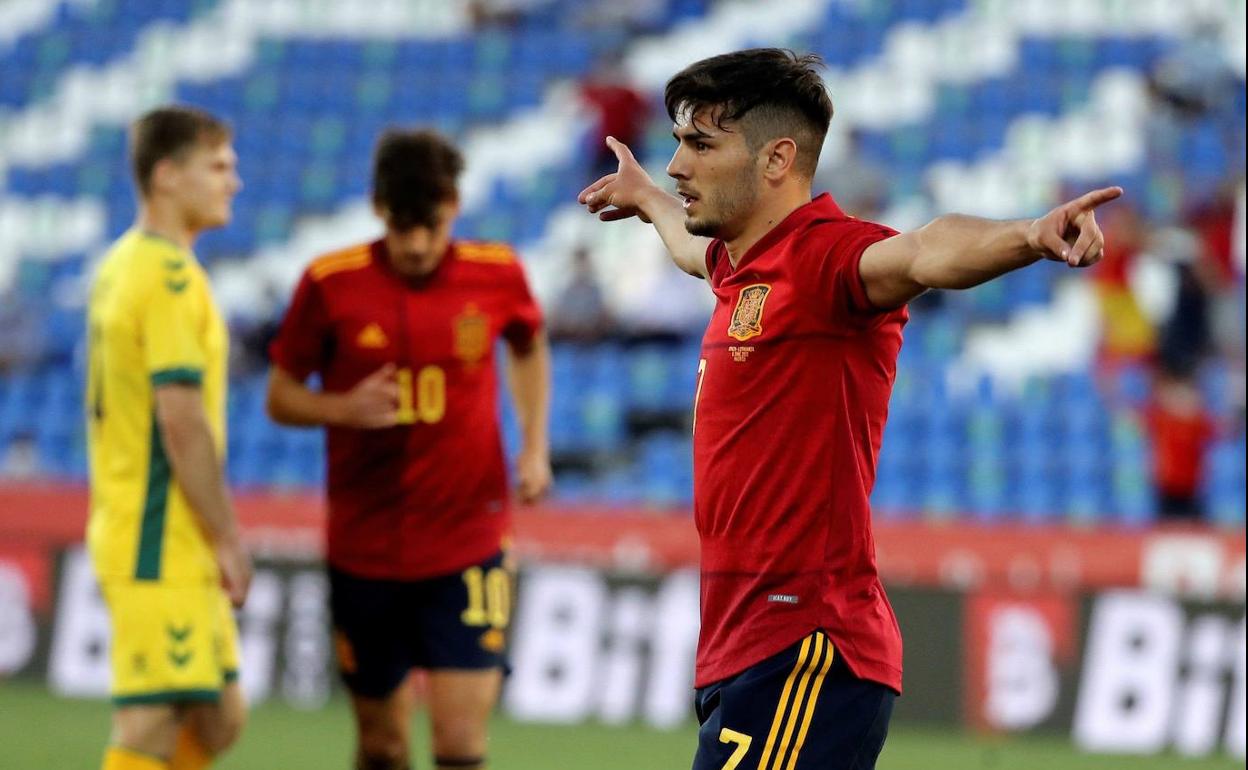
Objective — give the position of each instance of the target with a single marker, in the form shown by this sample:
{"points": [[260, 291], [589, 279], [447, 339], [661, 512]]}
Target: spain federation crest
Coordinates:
{"points": [[747, 318], [472, 334]]}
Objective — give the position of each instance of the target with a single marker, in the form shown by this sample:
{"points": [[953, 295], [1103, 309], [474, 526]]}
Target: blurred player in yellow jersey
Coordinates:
{"points": [[162, 532]]}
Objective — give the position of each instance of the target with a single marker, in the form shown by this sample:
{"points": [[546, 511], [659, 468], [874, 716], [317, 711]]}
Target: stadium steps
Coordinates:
{"points": [[956, 446], [498, 178], [22, 21], [87, 34]]}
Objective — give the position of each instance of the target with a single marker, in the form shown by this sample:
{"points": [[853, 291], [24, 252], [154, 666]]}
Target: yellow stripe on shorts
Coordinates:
{"points": [[803, 657], [813, 662], [809, 711]]}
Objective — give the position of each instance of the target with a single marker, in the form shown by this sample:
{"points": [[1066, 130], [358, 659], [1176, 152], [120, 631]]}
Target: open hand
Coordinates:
{"points": [[1069, 233], [623, 194]]}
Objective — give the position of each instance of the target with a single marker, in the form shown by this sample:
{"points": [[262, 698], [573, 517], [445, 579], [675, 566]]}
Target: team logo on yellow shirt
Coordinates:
{"points": [[179, 637], [372, 337], [472, 334], [747, 318]]}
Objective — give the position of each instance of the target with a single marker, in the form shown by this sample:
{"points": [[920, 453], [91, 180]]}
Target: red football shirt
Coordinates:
{"points": [[1179, 442], [793, 389], [429, 496]]}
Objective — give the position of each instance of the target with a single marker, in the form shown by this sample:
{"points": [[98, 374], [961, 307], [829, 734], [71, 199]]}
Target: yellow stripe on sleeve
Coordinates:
{"points": [[489, 253], [347, 259]]}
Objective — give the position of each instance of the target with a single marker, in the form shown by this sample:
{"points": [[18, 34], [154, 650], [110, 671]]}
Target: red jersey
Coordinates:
{"points": [[1180, 439], [429, 496], [793, 389]]}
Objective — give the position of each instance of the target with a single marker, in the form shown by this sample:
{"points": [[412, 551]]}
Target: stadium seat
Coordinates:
{"points": [[307, 107]]}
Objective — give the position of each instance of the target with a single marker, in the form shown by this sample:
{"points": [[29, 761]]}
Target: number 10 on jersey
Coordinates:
{"points": [[423, 400]]}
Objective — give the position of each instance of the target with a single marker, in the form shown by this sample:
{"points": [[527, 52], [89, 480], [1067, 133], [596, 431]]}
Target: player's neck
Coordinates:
{"points": [[771, 210], [161, 221]]}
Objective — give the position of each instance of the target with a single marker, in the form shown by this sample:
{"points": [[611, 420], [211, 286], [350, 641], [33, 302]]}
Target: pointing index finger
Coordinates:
{"points": [[622, 153], [1091, 200]]}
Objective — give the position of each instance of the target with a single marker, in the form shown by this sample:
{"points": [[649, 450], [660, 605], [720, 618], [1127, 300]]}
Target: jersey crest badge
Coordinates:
{"points": [[372, 338], [747, 318], [472, 334]]}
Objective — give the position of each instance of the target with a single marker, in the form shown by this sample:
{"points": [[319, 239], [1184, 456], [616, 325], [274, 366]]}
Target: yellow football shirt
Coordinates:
{"points": [[151, 321]]}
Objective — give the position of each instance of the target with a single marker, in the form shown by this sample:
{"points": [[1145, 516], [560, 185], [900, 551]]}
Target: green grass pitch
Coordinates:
{"points": [[38, 731]]}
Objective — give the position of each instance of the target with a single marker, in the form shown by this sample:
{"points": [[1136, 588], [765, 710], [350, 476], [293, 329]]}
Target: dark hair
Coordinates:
{"points": [[168, 132], [769, 92], [414, 172]]}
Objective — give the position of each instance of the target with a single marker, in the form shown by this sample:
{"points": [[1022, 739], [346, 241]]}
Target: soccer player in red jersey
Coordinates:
{"points": [[402, 333], [799, 657]]}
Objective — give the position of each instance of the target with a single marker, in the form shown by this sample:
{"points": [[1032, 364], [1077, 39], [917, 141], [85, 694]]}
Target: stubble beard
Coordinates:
{"points": [[728, 205]]}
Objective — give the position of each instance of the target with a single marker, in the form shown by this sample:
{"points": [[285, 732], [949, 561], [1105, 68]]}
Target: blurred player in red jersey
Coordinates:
{"points": [[799, 658], [402, 332]]}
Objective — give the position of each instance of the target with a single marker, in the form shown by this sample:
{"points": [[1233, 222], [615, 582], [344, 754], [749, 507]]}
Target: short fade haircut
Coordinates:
{"points": [[769, 92], [415, 171], [167, 133]]}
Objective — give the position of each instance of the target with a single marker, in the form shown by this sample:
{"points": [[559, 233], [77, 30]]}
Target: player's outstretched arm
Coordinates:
{"points": [[630, 192], [958, 252], [529, 381], [372, 403], [197, 468]]}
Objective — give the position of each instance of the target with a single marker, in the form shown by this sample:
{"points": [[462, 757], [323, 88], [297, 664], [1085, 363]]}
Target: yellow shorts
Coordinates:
{"points": [[171, 643]]}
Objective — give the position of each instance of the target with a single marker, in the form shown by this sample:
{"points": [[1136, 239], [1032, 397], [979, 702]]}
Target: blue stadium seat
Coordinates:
{"points": [[84, 33], [307, 111]]}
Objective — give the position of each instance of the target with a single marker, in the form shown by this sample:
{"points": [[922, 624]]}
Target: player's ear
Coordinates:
{"points": [[781, 155], [164, 175]]}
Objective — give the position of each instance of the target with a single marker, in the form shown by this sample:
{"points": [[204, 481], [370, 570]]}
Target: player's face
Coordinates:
{"points": [[203, 183], [416, 251], [716, 175]]}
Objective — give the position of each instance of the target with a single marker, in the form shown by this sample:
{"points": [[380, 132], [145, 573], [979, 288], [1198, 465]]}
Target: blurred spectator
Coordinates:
{"points": [[504, 14], [635, 17], [619, 110], [1184, 339], [1231, 313], [579, 313], [21, 332], [1194, 81], [1207, 315], [670, 308], [1128, 333], [1214, 223], [250, 335], [1196, 77], [1181, 430], [21, 458], [859, 186], [249, 346]]}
